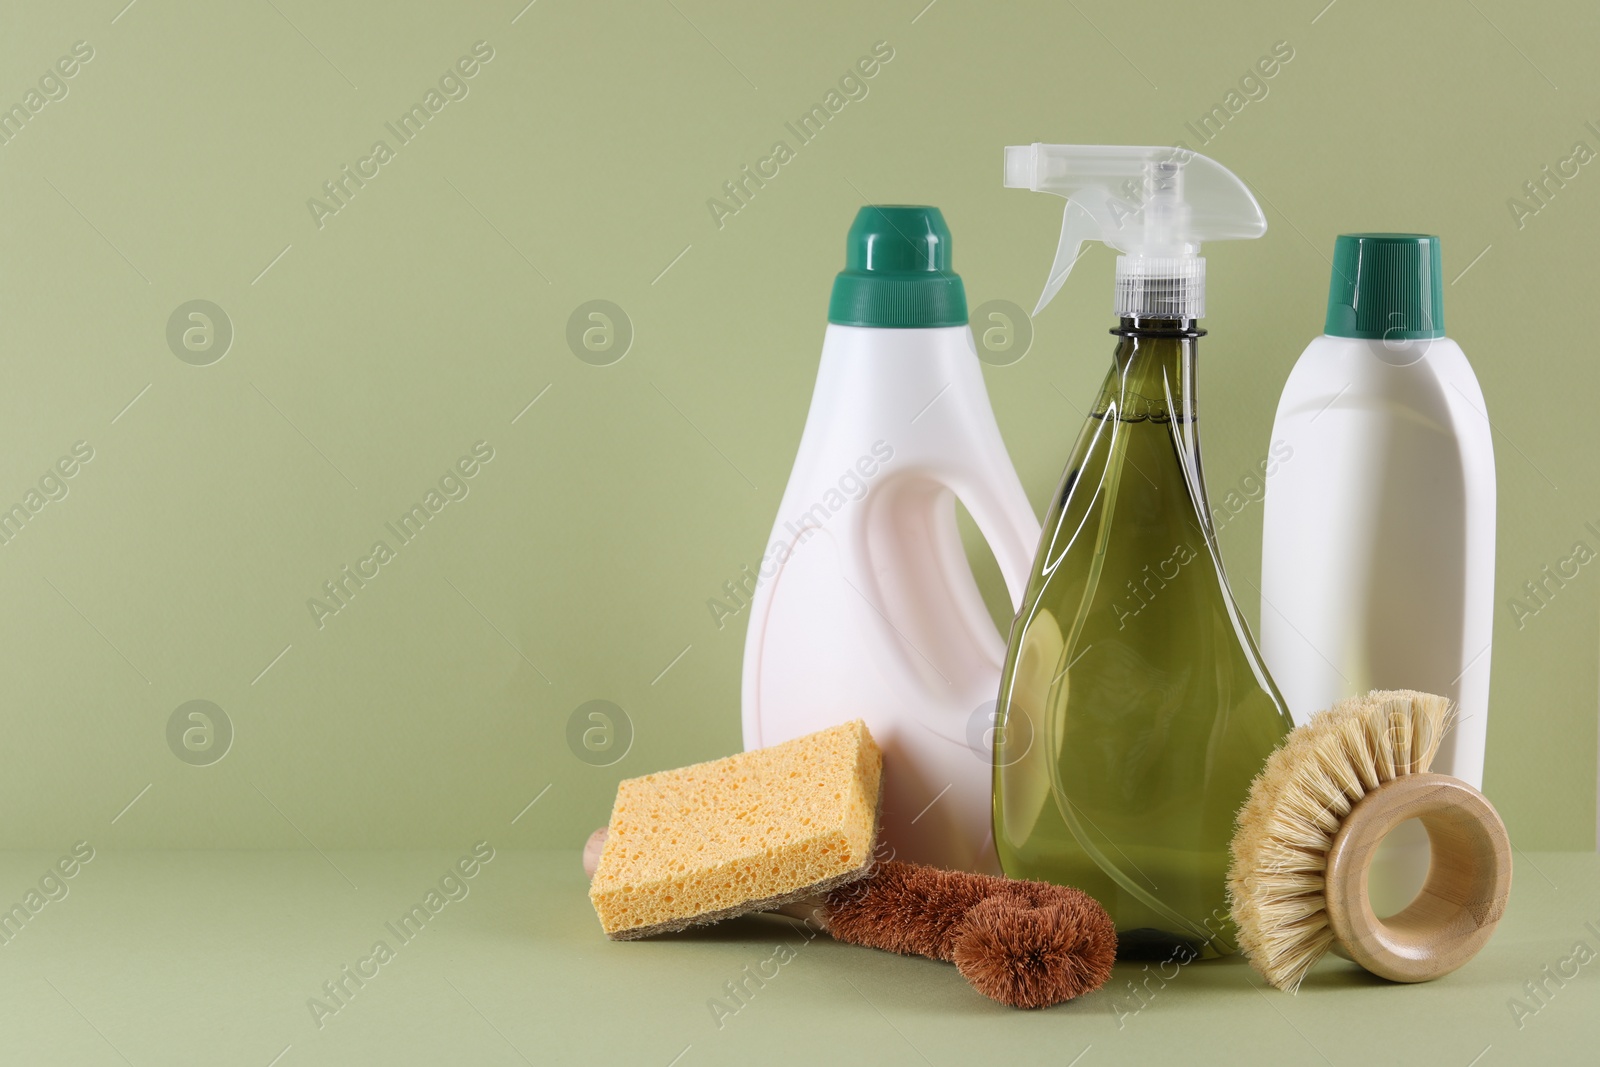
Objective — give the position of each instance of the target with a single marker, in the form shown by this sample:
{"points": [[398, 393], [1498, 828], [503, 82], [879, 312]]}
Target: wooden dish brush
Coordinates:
{"points": [[1024, 944], [1317, 813]]}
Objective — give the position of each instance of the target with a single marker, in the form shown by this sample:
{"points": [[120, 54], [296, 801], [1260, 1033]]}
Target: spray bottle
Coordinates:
{"points": [[1134, 709]]}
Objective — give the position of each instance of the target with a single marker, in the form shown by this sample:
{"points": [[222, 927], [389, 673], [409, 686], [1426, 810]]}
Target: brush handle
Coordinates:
{"points": [[591, 851], [1469, 879]]}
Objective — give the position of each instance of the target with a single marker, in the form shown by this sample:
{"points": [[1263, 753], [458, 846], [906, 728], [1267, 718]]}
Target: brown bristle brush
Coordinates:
{"points": [[1314, 818], [1025, 944]]}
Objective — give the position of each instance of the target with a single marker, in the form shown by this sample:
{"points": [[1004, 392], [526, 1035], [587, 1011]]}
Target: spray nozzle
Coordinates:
{"points": [[1155, 205]]}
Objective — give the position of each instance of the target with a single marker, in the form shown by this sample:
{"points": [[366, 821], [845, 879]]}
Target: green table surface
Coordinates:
{"points": [[215, 957]]}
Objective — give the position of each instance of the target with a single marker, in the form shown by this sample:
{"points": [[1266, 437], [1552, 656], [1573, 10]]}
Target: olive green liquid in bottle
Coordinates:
{"points": [[1134, 709]]}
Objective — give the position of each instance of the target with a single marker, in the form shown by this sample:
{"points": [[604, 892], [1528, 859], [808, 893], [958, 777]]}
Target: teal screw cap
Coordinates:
{"points": [[897, 271], [1386, 286]]}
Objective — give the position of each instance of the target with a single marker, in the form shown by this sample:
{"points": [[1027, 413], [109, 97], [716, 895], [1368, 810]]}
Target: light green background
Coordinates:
{"points": [[430, 311]]}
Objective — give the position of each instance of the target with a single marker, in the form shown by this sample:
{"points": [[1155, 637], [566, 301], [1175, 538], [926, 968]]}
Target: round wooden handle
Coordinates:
{"points": [[1469, 879]]}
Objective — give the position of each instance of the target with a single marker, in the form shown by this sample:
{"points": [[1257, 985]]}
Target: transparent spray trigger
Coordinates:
{"points": [[1078, 227], [1155, 205]]}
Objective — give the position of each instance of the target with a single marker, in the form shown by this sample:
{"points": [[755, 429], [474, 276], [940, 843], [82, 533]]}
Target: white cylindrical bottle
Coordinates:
{"points": [[866, 607], [1378, 534]]}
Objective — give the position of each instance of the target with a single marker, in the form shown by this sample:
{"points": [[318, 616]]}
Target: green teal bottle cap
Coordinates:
{"points": [[1386, 286], [897, 271]]}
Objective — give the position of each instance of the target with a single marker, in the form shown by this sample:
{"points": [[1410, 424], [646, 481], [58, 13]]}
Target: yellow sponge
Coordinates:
{"points": [[739, 834]]}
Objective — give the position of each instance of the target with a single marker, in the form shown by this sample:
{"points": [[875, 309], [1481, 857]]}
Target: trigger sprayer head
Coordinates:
{"points": [[1155, 205]]}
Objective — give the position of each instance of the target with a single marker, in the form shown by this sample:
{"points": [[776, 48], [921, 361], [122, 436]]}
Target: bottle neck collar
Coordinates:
{"points": [[1134, 326]]}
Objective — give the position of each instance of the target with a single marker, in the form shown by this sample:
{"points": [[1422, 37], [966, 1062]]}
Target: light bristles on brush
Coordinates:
{"points": [[1295, 809]]}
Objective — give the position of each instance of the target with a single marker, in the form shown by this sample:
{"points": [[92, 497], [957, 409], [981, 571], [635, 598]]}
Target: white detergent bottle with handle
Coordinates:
{"points": [[865, 606], [1377, 545]]}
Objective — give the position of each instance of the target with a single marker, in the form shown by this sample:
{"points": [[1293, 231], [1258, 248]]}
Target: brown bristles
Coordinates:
{"points": [[1034, 955], [1026, 944], [907, 908]]}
